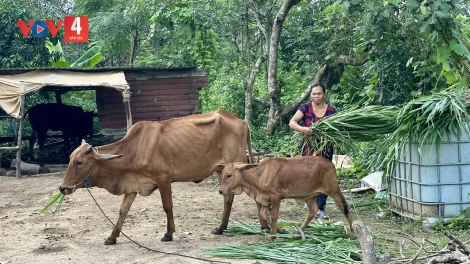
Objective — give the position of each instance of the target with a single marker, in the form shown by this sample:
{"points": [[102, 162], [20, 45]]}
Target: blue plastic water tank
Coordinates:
{"points": [[433, 183]]}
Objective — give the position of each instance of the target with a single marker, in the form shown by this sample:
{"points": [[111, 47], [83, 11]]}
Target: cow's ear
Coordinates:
{"points": [[83, 141], [108, 156], [247, 166]]}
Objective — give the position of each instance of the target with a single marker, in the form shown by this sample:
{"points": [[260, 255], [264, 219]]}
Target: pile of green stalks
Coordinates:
{"points": [[341, 130], [426, 120], [324, 243]]}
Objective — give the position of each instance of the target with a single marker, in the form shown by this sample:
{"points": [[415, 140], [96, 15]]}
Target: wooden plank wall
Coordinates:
{"points": [[156, 95]]}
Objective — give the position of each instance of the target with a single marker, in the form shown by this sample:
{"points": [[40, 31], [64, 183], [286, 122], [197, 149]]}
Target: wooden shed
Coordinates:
{"points": [[156, 94], [143, 93]]}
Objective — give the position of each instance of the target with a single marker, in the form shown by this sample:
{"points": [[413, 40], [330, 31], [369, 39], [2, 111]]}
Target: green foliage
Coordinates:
{"points": [[85, 99], [409, 48], [279, 143], [16, 51], [357, 171], [426, 119], [179, 36], [89, 59], [225, 93], [456, 223]]}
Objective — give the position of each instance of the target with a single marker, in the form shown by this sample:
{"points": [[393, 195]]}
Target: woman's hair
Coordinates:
{"points": [[321, 85]]}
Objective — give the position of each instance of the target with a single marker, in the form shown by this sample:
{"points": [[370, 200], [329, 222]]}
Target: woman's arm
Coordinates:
{"points": [[294, 123]]}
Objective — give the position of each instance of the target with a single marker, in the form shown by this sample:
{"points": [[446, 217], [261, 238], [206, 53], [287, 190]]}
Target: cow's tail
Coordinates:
{"points": [[25, 113], [248, 141]]}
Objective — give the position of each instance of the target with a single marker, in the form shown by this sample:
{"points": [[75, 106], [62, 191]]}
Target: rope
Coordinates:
{"points": [[150, 249]]}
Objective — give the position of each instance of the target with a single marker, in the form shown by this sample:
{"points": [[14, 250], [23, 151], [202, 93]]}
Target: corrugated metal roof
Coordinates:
{"points": [[9, 71]]}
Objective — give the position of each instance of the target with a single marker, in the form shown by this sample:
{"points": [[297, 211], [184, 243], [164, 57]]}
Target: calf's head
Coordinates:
{"points": [[80, 169], [232, 177]]}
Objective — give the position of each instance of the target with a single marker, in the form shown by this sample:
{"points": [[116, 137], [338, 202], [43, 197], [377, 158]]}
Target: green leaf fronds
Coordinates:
{"points": [[368, 123], [324, 243], [52, 200], [428, 120]]}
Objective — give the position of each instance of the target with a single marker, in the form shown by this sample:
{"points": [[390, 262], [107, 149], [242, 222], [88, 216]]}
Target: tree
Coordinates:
{"points": [[118, 27], [15, 50]]}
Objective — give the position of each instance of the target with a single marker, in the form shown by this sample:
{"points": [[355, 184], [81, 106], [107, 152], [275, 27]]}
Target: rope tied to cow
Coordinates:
{"points": [[140, 245]]}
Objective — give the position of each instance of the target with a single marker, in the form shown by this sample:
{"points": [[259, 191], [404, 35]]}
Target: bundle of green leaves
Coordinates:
{"points": [[426, 119], [344, 128], [58, 196]]}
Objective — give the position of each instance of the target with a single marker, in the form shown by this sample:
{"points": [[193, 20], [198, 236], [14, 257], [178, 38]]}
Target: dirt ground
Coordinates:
{"points": [[77, 233]]}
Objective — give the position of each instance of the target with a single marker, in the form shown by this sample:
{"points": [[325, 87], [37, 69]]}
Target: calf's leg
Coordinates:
{"points": [[264, 216], [275, 204], [262, 220], [312, 210], [125, 206], [343, 206]]}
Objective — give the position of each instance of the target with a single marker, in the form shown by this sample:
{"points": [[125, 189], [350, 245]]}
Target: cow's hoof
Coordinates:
{"points": [[266, 229], [282, 231], [167, 238], [217, 232], [109, 242]]}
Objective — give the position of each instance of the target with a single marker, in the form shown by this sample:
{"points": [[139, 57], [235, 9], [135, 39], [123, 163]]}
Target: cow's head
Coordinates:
{"points": [[232, 178], [80, 169]]}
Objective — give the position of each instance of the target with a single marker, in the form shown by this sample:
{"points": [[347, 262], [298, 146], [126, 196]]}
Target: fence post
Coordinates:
{"points": [[19, 139]]}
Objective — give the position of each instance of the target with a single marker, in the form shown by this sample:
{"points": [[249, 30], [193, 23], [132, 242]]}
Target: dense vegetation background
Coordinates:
{"points": [[261, 55]]}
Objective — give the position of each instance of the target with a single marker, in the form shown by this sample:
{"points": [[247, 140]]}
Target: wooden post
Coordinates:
{"points": [[126, 95], [19, 139]]}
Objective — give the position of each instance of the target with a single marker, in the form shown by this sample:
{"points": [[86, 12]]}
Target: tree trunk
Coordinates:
{"points": [[251, 80], [364, 235], [274, 97], [249, 90], [134, 44]]}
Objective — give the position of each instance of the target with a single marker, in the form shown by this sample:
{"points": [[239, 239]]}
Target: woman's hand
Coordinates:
{"points": [[307, 131]]}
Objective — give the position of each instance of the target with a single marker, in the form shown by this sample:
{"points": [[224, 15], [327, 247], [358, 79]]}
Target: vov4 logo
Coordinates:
{"points": [[75, 28]]}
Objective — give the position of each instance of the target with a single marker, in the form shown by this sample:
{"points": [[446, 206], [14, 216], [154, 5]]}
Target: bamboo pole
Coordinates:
{"points": [[19, 140], [126, 95]]}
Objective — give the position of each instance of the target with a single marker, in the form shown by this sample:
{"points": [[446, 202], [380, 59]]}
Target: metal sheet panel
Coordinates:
{"points": [[157, 94]]}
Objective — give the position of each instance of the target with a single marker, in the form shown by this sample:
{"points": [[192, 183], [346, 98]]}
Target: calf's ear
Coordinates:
{"points": [[246, 166]]}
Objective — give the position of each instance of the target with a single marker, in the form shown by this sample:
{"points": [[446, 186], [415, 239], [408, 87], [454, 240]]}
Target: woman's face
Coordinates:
{"points": [[317, 95]]}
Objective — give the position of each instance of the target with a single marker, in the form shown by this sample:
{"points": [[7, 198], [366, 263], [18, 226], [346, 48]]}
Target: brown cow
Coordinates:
{"points": [[154, 154], [274, 179]]}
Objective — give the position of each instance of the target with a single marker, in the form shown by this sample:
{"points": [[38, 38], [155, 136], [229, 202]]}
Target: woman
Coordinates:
{"points": [[310, 113]]}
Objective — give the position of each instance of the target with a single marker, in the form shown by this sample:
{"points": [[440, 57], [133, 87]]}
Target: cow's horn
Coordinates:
{"points": [[89, 148]]}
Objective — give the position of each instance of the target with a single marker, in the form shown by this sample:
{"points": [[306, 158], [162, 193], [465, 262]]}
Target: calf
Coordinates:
{"points": [[71, 120], [274, 179]]}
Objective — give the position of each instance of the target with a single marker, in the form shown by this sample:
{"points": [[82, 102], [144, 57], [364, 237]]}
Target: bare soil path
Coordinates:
{"points": [[77, 233]]}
